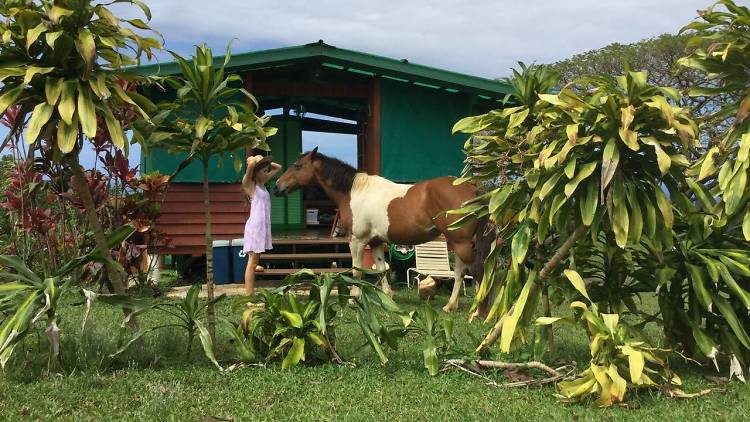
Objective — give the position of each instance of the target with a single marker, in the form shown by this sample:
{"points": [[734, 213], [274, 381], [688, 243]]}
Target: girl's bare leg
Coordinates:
{"points": [[252, 262]]}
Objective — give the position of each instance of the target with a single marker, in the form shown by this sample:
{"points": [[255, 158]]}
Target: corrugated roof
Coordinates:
{"points": [[355, 61]]}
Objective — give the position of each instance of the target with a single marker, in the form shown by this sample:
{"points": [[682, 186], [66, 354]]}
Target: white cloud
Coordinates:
{"points": [[480, 37]]}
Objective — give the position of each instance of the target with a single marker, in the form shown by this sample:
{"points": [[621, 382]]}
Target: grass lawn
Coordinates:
{"points": [[159, 382]]}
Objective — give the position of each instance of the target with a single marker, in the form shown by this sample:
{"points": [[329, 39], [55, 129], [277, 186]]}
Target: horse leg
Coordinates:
{"points": [[357, 248], [464, 253], [379, 256], [458, 273]]}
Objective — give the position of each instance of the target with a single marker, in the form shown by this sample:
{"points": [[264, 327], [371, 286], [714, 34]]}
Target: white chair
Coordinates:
{"points": [[432, 260]]}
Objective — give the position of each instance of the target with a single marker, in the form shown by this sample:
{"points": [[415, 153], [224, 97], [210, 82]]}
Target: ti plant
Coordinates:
{"points": [[210, 116], [27, 298], [282, 326], [619, 183]]}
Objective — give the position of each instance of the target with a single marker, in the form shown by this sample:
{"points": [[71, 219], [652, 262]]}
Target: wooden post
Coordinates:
{"points": [[372, 137]]}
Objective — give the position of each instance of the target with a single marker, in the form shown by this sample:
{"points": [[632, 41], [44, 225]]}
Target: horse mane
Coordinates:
{"points": [[338, 173]]}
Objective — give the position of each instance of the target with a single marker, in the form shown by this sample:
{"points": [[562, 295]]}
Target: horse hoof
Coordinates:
{"points": [[388, 292], [449, 308]]}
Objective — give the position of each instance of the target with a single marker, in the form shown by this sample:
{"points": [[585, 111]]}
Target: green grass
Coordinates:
{"points": [[160, 383]]}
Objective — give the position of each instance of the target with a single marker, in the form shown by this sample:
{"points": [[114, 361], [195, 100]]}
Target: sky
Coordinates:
{"points": [[479, 37]]}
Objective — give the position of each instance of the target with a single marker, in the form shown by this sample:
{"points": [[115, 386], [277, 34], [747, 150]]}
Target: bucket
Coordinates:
{"points": [[222, 262], [239, 261]]}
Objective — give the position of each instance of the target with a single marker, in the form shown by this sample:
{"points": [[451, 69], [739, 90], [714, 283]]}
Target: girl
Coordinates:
{"points": [[258, 226]]}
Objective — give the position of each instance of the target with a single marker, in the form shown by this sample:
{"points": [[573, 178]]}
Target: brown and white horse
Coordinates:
{"points": [[374, 210]]}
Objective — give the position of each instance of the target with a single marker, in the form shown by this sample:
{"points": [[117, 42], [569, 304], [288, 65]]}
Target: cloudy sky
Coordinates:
{"points": [[479, 37]]}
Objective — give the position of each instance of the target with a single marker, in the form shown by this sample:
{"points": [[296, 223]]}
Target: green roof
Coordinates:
{"points": [[355, 61]]}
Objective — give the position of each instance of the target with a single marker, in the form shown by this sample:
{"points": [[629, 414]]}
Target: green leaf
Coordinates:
{"points": [[731, 317], [431, 361], [10, 98], [294, 318], [52, 89], [520, 244], [32, 71], [665, 207], [610, 160], [67, 135], [39, 117], [86, 112], [208, 347], [589, 203], [33, 34], [511, 321], [295, 354], [67, 106], [577, 282], [516, 119], [547, 320], [746, 225], [585, 171], [630, 138], [611, 321], [87, 49], [549, 185], [662, 158], [620, 217], [708, 166], [113, 127], [56, 13]]}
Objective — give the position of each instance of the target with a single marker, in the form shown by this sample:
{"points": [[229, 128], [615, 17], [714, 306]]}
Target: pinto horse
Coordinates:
{"points": [[374, 210]]}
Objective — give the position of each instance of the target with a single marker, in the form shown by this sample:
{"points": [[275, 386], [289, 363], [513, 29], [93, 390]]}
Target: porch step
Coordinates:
{"points": [[304, 256], [287, 271], [310, 241]]}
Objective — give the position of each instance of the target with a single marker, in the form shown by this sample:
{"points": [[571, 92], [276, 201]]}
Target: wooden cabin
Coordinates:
{"points": [[400, 115]]}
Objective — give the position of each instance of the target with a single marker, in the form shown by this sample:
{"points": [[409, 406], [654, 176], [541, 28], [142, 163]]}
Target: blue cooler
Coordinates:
{"points": [[222, 262], [239, 261]]}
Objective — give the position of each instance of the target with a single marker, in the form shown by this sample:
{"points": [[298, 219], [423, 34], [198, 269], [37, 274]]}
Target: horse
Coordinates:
{"points": [[374, 211]]}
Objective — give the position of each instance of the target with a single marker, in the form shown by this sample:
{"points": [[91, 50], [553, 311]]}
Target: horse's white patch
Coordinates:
{"points": [[370, 196]]}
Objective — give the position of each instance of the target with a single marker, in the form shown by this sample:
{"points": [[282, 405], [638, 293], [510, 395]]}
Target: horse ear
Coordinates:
{"points": [[314, 152]]}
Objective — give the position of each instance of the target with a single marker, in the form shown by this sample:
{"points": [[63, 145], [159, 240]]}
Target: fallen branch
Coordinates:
{"points": [[475, 367], [679, 394]]}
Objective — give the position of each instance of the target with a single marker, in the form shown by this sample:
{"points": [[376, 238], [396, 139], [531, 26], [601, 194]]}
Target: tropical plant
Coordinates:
{"points": [[279, 325], [438, 336], [209, 117], [186, 312], [63, 65], [597, 175], [27, 297]]}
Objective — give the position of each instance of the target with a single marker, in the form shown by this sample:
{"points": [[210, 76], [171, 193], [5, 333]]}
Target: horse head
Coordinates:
{"points": [[299, 175]]}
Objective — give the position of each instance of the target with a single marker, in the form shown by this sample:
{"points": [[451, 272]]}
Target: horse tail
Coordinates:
{"points": [[483, 238]]}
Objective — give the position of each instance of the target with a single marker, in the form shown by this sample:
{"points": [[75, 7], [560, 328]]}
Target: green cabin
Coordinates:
{"points": [[398, 116]]}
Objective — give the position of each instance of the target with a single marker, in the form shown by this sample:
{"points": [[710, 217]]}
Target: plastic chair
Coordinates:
{"points": [[432, 260]]}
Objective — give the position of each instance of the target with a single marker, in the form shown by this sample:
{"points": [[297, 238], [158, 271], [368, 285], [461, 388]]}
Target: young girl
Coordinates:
{"points": [[258, 226]]}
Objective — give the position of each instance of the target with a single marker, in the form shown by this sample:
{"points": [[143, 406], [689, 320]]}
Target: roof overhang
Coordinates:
{"points": [[353, 61]]}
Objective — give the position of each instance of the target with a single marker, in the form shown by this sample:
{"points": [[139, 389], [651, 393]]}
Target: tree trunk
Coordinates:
{"points": [[113, 275], [209, 255], [492, 337]]}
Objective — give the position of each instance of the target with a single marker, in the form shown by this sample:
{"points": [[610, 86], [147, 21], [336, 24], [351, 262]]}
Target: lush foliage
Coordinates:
{"points": [[280, 325], [62, 62], [603, 191], [26, 297]]}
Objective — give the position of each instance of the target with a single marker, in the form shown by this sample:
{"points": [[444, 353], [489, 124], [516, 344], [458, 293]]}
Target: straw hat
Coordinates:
{"points": [[260, 164]]}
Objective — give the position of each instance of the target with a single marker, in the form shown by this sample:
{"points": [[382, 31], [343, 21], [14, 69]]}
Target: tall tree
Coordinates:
{"points": [[64, 62], [658, 57]]}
